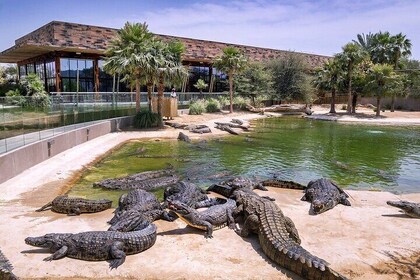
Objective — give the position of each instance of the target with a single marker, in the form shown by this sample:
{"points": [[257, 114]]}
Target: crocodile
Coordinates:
{"points": [[146, 184], [96, 245], [135, 198], [227, 187], [6, 268], [324, 195], [278, 237], [129, 182], [411, 209], [73, 206], [189, 194], [183, 137], [215, 217], [276, 183], [226, 128]]}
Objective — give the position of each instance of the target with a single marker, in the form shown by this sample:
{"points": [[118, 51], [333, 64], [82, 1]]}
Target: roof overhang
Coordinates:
{"points": [[19, 53]]}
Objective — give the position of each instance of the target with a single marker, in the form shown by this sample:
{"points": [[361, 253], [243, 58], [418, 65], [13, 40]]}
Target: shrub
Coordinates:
{"points": [[223, 100], [212, 105], [344, 107], [241, 102], [146, 119], [40, 100], [197, 107], [14, 97], [32, 84]]}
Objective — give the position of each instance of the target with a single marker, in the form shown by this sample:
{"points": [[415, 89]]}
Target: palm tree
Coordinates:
{"points": [[352, 55], [328, 78], [129, 53], [200, 85], [365, 41], [170, 68], [381, 79], [400, 47], [231, 62]]}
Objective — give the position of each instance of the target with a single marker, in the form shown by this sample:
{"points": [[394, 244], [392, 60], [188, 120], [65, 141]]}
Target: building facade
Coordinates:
{"points": [[69, 55]]}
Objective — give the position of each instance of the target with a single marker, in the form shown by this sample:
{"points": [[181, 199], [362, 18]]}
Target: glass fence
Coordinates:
{"points": [[21, 123]]}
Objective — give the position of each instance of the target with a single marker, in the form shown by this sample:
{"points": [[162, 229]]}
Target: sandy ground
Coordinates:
{"points": [[366, 115], [369, 240]]}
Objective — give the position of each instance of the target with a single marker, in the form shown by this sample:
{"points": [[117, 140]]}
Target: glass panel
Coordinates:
{"points": [[65, 67], [73, 68], [89, 69], [40, 70], [22, 71], [30, 68]]}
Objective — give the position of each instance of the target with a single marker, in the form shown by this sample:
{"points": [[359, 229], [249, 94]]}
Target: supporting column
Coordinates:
{"points": [[96, 77], [58, 74]]}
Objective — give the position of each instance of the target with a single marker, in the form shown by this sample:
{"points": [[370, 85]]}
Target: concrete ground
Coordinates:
{"points": [[369, 240]]}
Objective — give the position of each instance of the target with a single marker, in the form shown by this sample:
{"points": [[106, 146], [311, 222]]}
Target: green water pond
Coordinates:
{"points": [[289, 148]]}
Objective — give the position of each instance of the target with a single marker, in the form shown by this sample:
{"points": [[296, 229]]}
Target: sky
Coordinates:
{"points": [[317, 27]]}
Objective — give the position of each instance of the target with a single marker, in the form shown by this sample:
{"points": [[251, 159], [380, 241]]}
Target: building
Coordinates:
{"points": [[63, 53]]}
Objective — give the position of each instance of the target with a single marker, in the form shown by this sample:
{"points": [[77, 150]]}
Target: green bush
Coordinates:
{"points": [[197, 107], [223, 100], [40, 100], [212, 105], [241, 102], [146, 119], [13, 97], [32, 84]]}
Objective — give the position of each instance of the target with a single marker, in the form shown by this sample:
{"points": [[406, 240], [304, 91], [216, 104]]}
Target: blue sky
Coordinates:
{"points": [[320, 27]]}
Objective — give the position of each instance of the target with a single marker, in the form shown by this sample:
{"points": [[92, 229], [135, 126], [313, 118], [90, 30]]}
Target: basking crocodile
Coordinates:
{"points": [[324, 195], [139, 198], [411, 209], [75, 205], [133, 181], [214, 217], [227, 187], [189, 194], [96, 245], [135, 219], [278, 237], [147, 184], [6, 268], [276, 183], [183, 137]]}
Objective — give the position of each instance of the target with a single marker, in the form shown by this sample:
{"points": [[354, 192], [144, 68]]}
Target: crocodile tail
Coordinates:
{"points": [[294, 258], [45, 207]]}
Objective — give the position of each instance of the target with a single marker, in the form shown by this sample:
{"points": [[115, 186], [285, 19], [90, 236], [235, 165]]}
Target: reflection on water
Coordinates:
{"points": [[289, 148]]}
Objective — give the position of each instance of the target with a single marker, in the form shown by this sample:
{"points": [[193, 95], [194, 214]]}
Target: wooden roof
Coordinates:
{"points": [[73, 37]]}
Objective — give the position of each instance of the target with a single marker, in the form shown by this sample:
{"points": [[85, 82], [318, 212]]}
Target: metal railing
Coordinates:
{"points": [[22, 123]]}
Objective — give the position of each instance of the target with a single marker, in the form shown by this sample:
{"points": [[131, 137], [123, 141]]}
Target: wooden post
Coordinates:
{"points": [[96, 75], [57, 74]]}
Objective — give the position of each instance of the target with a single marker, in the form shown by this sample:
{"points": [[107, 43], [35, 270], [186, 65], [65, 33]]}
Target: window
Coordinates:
{"points": [[77, 75], [106, 80], [22, 71]]}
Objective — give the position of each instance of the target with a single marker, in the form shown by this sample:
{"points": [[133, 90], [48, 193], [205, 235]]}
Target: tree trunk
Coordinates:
{"points": [[161, 87], [354, 102], [231, 91], [393, 103], [149, 95], [378, 106], [332, 110], [349, 100], [137, 94]]}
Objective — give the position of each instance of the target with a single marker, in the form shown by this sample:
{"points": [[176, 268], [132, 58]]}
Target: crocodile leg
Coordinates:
{"points": [[118, 255], [58, 254], [168, 217], [74, 212], [230, 220], [251, 224], [291, 229], [209, 232]]}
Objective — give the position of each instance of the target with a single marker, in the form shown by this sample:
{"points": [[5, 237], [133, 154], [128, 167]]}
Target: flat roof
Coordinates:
{"points": [[74, 37]]}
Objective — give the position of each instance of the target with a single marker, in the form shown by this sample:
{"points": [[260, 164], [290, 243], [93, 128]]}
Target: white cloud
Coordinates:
{"points": [[320, 27]]}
